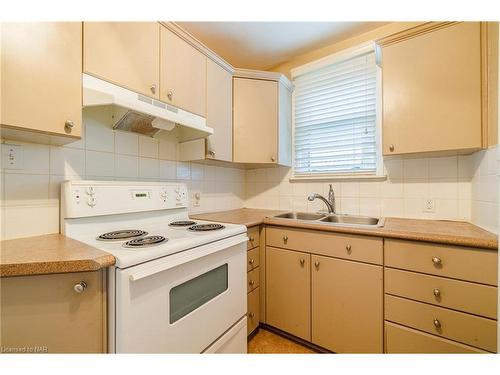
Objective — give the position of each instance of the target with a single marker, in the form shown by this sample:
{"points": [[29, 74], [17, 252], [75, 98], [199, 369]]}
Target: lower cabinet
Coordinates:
{"points": [[253, 308], [288, 291], [56, 313], [347, 300]]}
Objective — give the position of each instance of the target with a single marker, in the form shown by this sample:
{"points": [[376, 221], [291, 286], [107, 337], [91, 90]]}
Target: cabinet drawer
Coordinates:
{"points": [[360, 248], [464, 328], [399, 339], [252, 259], [253, 279], [253, 308], [253, 237], [451, 261], [469, 297]]}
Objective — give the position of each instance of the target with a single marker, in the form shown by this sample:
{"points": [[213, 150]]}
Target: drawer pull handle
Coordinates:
{"points": [[302, 261], [437, 293], [437, 324], [251, 261], [348, 248], [251, 315], [285, 239], [80, 287], [251, 282], [437, 261], [251, 239], [316, 264]]}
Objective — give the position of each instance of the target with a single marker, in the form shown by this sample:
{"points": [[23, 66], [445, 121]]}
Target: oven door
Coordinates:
{"points": [[181, 303]]}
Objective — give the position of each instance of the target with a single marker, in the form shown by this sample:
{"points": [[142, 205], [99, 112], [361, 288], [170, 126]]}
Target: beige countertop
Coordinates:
{"points": [[52, 253], [438, 231]]}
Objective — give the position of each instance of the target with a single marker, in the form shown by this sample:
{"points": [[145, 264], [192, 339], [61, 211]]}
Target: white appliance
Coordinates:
{"points": [[178, 286]]}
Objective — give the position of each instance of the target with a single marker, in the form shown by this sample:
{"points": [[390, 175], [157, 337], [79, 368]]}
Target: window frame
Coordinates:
{"points": [[328, 60]]}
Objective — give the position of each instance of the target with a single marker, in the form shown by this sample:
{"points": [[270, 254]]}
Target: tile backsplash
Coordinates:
{"points": [[462, 187], [30, 194]]}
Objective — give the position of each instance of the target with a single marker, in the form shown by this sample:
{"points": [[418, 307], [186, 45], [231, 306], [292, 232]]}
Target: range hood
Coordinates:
{"points": [[142, 114]]}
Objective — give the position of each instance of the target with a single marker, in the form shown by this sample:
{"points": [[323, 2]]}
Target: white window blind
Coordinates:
{"points": [[335, 118]]}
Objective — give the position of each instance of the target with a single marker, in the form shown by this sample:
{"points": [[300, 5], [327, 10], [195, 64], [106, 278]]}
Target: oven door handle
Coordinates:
{"points": [[188, 255]]}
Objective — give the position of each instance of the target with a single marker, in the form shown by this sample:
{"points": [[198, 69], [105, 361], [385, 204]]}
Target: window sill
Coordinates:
{"points": [[345, 177]]}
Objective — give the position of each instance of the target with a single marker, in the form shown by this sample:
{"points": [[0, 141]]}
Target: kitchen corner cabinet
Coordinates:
{"points": [[124, 53], [183, 74], [41, 85], [261, 119], [432, 82], [45, 313]]}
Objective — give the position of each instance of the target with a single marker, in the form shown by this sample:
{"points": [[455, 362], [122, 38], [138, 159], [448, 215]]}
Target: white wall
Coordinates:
{"points": [[447, 180], [30, 195]]}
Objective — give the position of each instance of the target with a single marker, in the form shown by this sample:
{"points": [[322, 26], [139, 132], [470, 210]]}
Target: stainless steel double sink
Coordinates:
{"points": [[334, 219]]}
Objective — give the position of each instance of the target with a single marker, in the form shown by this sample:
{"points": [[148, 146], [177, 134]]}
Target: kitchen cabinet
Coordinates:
{"points": [[253, 279], [347, 305], [124, 53], [41, 85], [288, 302], [55, 313], [183, 74], [432, 82], [261, 118]]}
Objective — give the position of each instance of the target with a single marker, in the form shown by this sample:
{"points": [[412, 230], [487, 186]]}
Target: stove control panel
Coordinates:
{"points": [[94, 198]]}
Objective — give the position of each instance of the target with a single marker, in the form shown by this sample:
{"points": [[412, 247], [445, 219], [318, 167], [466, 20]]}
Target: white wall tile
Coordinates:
{"points": [[126, 143], [184, 170], [98, 137], [416, 168], [394, 168], [149, 168], [25, 189], [443, 167], [35, 158], [126, 166], [67, 161], [350, 189], [148, 147], [99, 164], [198, 172], [168, 170], [445, 189]]}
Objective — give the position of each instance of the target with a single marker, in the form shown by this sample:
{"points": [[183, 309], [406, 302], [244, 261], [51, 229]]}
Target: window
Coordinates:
{"points": [[335, 115]]}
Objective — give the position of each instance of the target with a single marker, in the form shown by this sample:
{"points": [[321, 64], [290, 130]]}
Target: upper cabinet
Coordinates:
{"points": [[433, 89], [261, 118], [41, 85], [183, 74], [124, 53]]}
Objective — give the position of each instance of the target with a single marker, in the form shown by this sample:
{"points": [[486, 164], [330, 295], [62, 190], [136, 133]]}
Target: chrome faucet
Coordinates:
{"points": [[330, 202]]}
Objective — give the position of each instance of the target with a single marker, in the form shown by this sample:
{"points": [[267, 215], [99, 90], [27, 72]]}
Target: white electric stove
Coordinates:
{"points": [[178, 285]]}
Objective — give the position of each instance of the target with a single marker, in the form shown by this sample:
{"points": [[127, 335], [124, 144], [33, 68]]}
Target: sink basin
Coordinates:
{"points": [[353, 220], [300, 216]]}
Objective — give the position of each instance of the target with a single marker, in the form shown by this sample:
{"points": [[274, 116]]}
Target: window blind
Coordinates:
{"points": [[335, 118]]}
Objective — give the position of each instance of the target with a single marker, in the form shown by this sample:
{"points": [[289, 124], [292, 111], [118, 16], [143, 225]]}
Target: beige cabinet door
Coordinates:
{"points": [[347, 301], [124, 53], [255, 121], [432, 91], [183, 74], [41, 70], [219, 112], [45, 312], [288, 304]]}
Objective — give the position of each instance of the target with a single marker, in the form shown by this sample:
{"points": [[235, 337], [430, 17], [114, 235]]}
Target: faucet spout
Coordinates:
{"points": [[329, 205]]}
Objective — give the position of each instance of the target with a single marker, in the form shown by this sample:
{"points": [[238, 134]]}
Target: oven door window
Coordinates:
{"points": [[194, 293]]}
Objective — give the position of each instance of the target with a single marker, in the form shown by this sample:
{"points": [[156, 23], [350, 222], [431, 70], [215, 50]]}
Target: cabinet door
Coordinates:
{"points": [[432, 91], [124, 53], [347, 300], [41, 70], [255, 121], [288, 304], [183, 74], [219, 112], [45, 311]]}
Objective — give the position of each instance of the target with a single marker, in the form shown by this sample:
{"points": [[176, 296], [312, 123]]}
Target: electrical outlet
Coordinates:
{"points": [[196, 198], [429, 205], [12, 156]]}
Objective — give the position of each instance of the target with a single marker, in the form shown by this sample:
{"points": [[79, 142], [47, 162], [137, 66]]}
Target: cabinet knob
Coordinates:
{"points": [[437, 261], [436, 292], [302, 261], [80, 287], [170, 94], [273, 158], [251, 261], [251, 315], [348, 248], [153, 89], [69, 125], [437, 324], [316, 264], [211, 153], [391, 148], [251, 239], [285, 239], [251, 282]]}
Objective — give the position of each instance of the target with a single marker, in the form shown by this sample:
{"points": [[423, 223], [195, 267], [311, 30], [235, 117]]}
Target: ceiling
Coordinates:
{"points": [[263, 45]]}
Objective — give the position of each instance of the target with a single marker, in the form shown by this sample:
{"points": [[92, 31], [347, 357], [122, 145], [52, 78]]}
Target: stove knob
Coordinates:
{"points": [[91, 201], [90, 190]]}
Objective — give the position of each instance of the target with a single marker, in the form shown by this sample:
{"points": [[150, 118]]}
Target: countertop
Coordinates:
{"points": [[52, 253], [437, 231]]}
